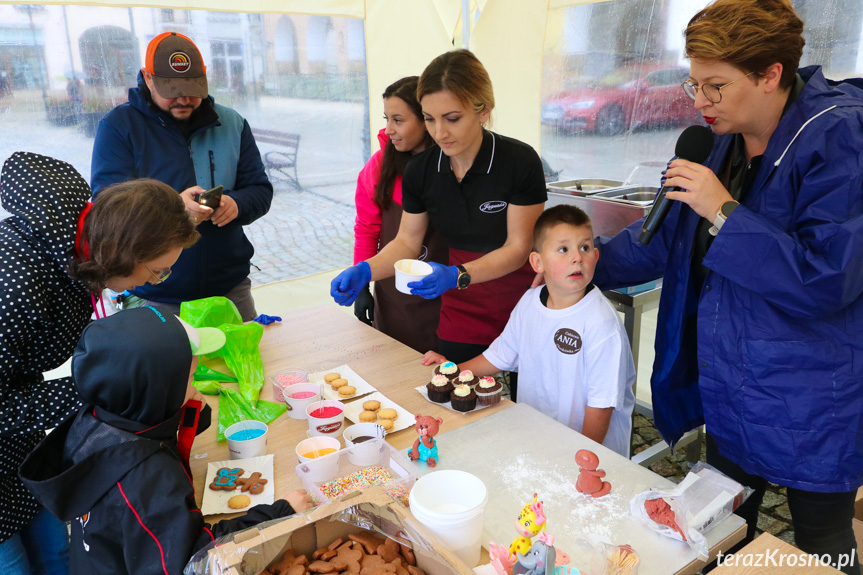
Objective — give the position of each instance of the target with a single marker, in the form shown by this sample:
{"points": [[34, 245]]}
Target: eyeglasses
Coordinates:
{"points": [[161, 276], [712, 92]]}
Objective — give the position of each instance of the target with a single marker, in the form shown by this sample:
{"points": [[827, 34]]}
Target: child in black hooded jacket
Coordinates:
{"points": [[114, 469]]}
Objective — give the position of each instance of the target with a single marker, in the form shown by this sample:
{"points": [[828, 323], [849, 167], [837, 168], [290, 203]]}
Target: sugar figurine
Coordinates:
{"points": [[425, 447], [589, 477]]}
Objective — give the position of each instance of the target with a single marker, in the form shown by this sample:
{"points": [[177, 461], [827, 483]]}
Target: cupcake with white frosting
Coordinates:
{"points": [[439, 388], [466, 377], [463, 398], [449, 369], [488, 391]]}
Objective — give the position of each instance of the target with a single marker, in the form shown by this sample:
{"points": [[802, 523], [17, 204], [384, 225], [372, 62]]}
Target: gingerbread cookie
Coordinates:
{"points": [[350, 557], [253, 484], [347, 391], [331, 377], [239, 501], [368, 416], [226, 478]]}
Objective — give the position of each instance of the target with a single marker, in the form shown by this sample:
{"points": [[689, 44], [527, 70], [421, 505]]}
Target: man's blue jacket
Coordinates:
{"points": [[777, 370], [135, 141]]}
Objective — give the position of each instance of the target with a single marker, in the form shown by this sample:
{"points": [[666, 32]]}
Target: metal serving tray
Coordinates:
{"points": [[584, 186], [640, 195]]}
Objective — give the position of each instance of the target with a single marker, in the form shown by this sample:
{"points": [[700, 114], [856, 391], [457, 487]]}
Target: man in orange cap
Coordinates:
{"points": [[173, 131]]}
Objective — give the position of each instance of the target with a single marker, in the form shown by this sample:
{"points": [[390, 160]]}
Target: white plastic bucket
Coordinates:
{"points": [[450, 503], [410, 271]]}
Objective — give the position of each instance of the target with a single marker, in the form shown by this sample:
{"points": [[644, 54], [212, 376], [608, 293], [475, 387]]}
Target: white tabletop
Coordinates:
{"points": [[519, 451]]}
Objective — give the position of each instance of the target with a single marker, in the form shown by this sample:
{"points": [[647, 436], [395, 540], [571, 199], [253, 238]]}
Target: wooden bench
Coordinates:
{"points": [[280, 164]]}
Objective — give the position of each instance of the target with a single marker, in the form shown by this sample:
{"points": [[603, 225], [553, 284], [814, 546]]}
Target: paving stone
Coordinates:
{"points": [[783, 511], [640, 448], [649, 434], [639, 421], [772, 500], [770, 525], [637, 440], [665, 468]]}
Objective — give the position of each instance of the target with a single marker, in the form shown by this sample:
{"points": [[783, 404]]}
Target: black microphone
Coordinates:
{"points": [[694, 144]]}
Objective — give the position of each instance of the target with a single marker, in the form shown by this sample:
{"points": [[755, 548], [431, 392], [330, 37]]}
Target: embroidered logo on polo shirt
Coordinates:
{"points": [[493, 207], [180, 62], [567, 341]]}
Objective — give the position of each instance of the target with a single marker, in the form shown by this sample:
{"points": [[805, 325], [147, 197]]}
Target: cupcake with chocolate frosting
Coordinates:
{"points": [[439, 388], [463, 398], [488, 391], [449, 369]]}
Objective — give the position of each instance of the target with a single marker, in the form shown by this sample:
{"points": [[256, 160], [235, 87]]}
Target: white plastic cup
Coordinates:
{"points": [[297, 406], [450, 503], [241, 448], [410, 271], [326, 425], [323, 467], [367, 452]]}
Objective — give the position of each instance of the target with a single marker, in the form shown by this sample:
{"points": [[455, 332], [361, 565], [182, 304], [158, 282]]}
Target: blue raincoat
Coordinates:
{"points": [[777, 372]]}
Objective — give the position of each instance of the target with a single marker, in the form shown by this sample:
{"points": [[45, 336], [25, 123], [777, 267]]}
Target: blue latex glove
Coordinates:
{"points": [[267, 319], [346, 287], [442, 278]]}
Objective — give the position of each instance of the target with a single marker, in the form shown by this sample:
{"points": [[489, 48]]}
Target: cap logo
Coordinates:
{"points": [[180, 62]]}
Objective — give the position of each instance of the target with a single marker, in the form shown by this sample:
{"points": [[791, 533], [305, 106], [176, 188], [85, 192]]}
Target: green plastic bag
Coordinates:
{"points": [[210, 312], [242, 357], [234, 408], [240, 351], [204, 373], [208, 386]]}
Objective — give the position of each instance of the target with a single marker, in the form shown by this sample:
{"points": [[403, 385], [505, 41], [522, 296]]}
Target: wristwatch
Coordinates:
{"points": [[722, 215], [463, 277]]}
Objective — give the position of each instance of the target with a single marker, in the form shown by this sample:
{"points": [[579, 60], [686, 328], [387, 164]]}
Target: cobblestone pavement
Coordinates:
{"points": [[305, 232]]}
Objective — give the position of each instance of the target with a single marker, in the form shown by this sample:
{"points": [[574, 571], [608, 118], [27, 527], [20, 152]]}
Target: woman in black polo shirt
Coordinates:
{"points": [[482, 192]]}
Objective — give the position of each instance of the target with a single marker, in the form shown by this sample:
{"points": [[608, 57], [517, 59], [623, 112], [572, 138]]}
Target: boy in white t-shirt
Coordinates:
{"points": [[565, 339]]}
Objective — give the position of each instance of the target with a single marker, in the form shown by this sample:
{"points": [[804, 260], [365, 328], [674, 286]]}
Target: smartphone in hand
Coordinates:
{"points": [[211, 198]]}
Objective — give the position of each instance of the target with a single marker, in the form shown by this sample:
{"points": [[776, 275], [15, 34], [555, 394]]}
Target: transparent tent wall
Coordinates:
{"points": [[612, 103], [63, 67]]}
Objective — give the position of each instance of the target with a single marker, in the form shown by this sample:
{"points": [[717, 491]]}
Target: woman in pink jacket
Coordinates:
{"points": [[409, 319]]}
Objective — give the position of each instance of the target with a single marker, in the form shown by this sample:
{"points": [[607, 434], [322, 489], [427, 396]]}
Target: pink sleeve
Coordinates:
{"points": [[367, 226]]}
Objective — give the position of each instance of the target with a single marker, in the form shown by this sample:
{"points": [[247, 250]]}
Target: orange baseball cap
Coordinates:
{"points": [[176, 66]]}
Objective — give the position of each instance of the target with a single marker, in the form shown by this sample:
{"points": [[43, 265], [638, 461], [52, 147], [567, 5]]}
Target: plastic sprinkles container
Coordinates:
{"points": [[286, 377], [393, 470]]}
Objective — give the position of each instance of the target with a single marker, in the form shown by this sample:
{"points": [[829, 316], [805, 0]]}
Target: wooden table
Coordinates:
{"points": [[323, 337], [315, 339]]}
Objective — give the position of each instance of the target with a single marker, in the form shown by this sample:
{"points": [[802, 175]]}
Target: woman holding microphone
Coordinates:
{"points": [[482, 192], [761, 318]]}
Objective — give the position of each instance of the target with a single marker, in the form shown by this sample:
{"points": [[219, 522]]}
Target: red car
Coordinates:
{"points": [[626, 98]]}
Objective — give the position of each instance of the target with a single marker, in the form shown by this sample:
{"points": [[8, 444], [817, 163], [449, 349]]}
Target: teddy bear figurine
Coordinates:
{"points": [[589, 477], [425, 447]]}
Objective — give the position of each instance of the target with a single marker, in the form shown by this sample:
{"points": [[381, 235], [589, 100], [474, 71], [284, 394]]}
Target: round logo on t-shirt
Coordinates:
{"points": [[567, 341], [493, 207]]}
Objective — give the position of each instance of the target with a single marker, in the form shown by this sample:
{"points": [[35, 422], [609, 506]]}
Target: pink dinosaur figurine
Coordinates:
{"points": [[589, 477]]}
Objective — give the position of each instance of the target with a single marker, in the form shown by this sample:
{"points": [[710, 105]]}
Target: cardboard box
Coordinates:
{"points": [[251, 551]]}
